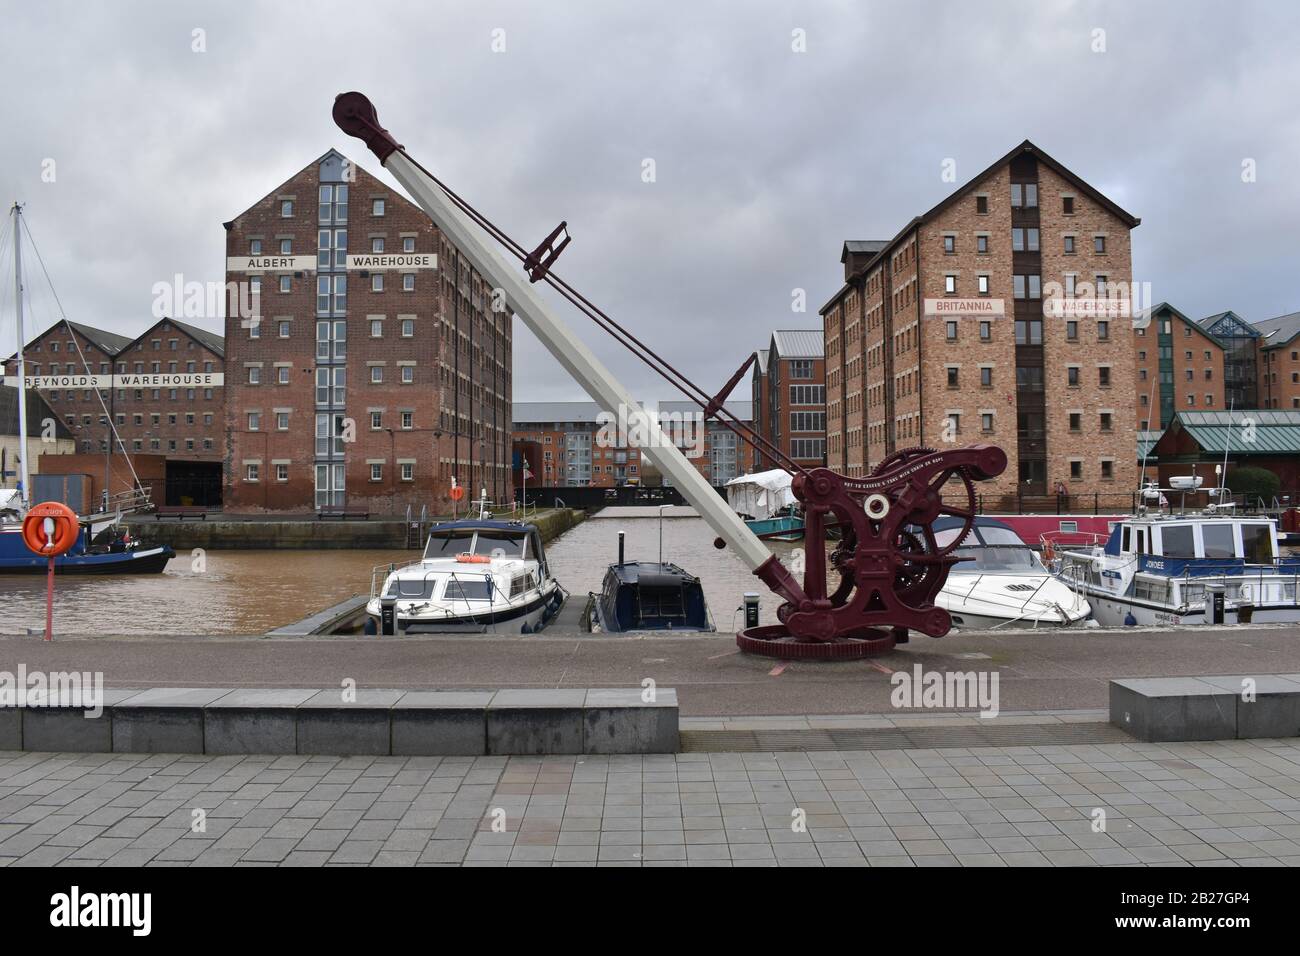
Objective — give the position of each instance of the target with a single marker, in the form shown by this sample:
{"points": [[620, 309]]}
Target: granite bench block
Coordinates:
{"points": [[254, 721], [1275, 709], [11, 728], [327, 724], [162, 720], [66, 726], [1160, 709], [618, 721], [440, 723], [535, 722]]}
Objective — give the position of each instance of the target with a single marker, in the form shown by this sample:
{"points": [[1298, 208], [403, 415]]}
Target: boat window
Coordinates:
{"points": [[507, 544], [1220, 542], [948, 535], [517, 585], [1069, 527], [448, 544], [1178, 541], [1257, 543], [1001, 536], [412, 587], [1124, 540], [998, 559], [467, 589], [1142, 541], [1157, 592]]}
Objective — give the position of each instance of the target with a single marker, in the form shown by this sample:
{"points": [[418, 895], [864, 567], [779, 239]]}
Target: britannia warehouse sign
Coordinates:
{"points": [[122, 380], [368, 262], [955, 307]]}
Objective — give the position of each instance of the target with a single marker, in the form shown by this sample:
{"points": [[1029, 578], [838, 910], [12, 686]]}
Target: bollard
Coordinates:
{"points": [[751, 609], [388, 615], [620, 549], [1215, 600]]}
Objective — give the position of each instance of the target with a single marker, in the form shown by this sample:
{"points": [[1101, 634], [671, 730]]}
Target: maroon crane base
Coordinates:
{"points": [[890, 566]]}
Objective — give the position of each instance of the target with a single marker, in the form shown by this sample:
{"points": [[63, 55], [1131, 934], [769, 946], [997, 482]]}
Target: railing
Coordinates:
{"points": [[1125, 503]]}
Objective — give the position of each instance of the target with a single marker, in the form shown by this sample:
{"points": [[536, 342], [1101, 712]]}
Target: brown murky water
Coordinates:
{"points": [[251, 592]]}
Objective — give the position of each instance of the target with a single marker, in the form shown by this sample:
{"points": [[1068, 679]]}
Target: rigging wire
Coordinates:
{"points": [[99, 394]]}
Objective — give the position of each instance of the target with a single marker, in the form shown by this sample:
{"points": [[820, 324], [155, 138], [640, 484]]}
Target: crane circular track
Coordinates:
{"points": [[774, 640]]}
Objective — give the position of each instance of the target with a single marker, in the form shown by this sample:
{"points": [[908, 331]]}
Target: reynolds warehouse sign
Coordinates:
{"points": [[159, 380]]}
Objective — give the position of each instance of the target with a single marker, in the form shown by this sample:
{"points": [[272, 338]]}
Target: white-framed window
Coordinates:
{"points": [[282, 329], [408, 419], [286, 208], [282, 421], [408, 471], [376, 328], [282, 472], [982, 284], [286, 284], [255, 247], [252, 470], [408, 374], [377, 207], [376, 472], [376, 374], [950, 285], [286, 247], [408, 328], [408, 282], [254, 421], [254, 375], [376, 421], [376, 243], [376, 282], [282, 375], [408, 243]]}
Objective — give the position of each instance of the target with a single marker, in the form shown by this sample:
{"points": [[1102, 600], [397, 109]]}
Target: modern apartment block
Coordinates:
{"points": [[790, 396], [1180, 367], [580, 447], [365, 366], [1003, 315], [1241, 344]]}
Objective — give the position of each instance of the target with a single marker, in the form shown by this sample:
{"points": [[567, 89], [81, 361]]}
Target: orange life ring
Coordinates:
{"points": [[457, 493], [66, 529], [466, 558], [1048, 552]]}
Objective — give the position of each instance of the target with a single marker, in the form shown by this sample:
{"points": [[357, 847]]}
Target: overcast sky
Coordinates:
{"points": [[765, 158]]}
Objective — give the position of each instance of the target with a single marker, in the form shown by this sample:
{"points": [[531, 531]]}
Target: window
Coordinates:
{"points": [[1024, 240], [376, 421], [1099, 245], [1072, 376], [408, 328], [986, 377], [1103, 331], [408, 244], [286, 247], [951, 328], [408, 420], [1076, 469], [254, 421], [1104, 419], [982, 205], [1029, 331], [949, 244], [408, 471], [982, 283], [1069, 245], [255, 247], [250, 470], [376, 328], [986, 421], [377, 244], [954, 422], [408, 374], [1067, 205], [986, 331], [408, 282], [1076, 422], [281, 472], [282, 421], [376, 374], [953, 377], [377, 207], [376, 472], [1107, 469], [1024, 195], [1072, 331], [286, 284], [376, 282], [801, 368], [1103, 376], [1101, 286], [254, 375], [1026, 286], [286, 212], [282, 329], [1219, 541], [282, 375], [982, 245]]}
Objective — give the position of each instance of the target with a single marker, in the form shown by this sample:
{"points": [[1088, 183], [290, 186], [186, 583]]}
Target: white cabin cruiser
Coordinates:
{"points": [[1196, 568], [476, 575], [1002, 582]]}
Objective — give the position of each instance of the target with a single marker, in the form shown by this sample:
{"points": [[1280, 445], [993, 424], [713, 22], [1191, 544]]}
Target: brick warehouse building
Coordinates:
{"points": [[992, 317], [788, 392], [163, 390], [1180, 367], [377, 372]]}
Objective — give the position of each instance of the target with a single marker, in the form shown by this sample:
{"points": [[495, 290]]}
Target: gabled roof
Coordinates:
{"points": [[1190, 322], [871, 246], [1279, 331], [1273, 432], [37, 414], [209, 340], [761, 362], [110, 342], [799, 343], [1147, 442], [1228, 323], [1025, 147]]}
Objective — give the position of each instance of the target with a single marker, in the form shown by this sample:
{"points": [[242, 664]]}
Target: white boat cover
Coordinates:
{"points": [[762, 494]]}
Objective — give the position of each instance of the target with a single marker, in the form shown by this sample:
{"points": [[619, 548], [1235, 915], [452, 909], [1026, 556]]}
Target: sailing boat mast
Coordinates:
{"points": [[22, 368]]}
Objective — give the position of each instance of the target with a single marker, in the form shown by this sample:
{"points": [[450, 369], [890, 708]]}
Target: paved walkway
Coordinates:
{"points": [[1233, 803]]}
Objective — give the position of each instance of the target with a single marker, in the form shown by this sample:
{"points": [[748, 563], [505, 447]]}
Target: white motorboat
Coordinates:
{"points": [[1002, 582], [476, 575]]}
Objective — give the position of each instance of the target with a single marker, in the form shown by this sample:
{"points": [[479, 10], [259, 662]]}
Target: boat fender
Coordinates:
{"points": [[466, 558], [1129, 619]]}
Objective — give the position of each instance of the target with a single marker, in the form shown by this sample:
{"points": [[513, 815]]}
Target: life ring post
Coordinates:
{"points": [[50, 529]]}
